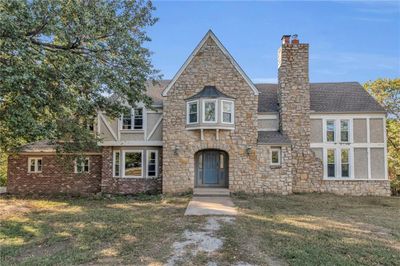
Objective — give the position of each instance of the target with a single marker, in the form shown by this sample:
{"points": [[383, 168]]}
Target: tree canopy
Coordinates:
{"points": [[61, 60], [387, 93]]}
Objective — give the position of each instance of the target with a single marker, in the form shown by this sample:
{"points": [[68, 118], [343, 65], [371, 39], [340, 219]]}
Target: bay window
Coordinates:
{"points": [[227, 112], [209, 111], [192, 112]]}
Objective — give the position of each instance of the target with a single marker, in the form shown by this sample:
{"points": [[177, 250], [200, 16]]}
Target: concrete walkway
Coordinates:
{"points": [[211, 206]]}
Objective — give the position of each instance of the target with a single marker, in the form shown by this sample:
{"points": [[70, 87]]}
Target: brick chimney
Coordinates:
{"points": [[294, 107]]}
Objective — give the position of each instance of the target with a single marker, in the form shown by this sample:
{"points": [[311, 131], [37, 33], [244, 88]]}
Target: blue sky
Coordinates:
{"points": [[349, 41]]}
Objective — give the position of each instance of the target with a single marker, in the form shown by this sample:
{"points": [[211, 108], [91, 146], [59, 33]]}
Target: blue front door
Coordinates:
{"points": [[211, 168], [211, 165]]}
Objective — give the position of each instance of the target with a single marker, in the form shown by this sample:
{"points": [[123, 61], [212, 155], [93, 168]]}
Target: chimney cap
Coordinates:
{"points": [[285, 36]]}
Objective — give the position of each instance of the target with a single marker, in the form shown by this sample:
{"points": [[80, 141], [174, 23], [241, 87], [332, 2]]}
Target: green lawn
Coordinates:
{"points": [[297, 230], [313, 229], [100, 231]]}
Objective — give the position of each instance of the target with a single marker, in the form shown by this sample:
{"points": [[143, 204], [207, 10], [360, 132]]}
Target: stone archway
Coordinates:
{"points": [[211, 168]]}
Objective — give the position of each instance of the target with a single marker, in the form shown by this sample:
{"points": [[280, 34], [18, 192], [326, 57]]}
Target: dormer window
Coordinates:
{"points": [[193, 112]]}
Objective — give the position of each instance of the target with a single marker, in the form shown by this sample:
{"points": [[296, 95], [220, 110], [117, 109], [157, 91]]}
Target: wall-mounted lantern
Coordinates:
{"points": [[176, 150], [248, 150]]}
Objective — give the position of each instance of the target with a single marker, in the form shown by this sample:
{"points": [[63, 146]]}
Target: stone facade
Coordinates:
{"points": [[57, 176], [249, 167], [248, 172], [294, 104]]}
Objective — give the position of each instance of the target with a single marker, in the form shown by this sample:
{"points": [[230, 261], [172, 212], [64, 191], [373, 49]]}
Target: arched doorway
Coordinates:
{"points": [[211, 167]]}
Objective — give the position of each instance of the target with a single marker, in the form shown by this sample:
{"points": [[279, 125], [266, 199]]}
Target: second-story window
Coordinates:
{"points": [[344, 130], [133, 119], [138, 118], [193, 112], [227, 112], [209, 111], [330, 130]]}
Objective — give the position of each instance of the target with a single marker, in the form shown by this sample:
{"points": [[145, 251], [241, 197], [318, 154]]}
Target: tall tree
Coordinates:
{"points": [[387, 93], [60, 60]]}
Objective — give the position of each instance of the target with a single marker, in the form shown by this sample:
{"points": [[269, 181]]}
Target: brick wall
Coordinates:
{"points": [[117, 185], [57, 177]]}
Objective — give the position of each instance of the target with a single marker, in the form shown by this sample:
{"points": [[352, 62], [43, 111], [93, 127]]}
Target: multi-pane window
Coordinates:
{"points": [[193, 112], [133, 119], [345, 163], [133, 164], [275, 156], [344, 130], [227, 112], [138, 118], [209, 111], [331, 163], [117, 163], [330, 130], [35, 165], [82, 165], [152, 163]]}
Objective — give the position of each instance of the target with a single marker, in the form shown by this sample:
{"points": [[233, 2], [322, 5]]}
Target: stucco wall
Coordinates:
{"points": [[377, 163], [316, 131], [376, 130], [360, 130], [361, 163]]}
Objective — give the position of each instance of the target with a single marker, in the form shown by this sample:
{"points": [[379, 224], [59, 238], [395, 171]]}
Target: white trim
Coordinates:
{"points": [[347, 115], [269, 117], [268, 129], [147, 163], [355, 145], [385, 148], [188, 112], [279, 156], [211, 35], [133, 129], [155, 127], [36, 159], [232, 113], [123, 163], [82, 165], [211, 127], [203, 114], [113, 163], [108, 126], [131, 143]]}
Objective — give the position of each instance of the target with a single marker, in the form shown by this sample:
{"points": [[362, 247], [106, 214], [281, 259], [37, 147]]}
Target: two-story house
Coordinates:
{"points": [[211, 126]]}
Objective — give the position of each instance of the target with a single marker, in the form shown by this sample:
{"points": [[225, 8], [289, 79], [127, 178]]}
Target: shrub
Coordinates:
{"points": [[395, 186]]}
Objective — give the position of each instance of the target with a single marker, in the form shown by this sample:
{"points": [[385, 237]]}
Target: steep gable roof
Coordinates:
{"points": [[211, 35]]}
